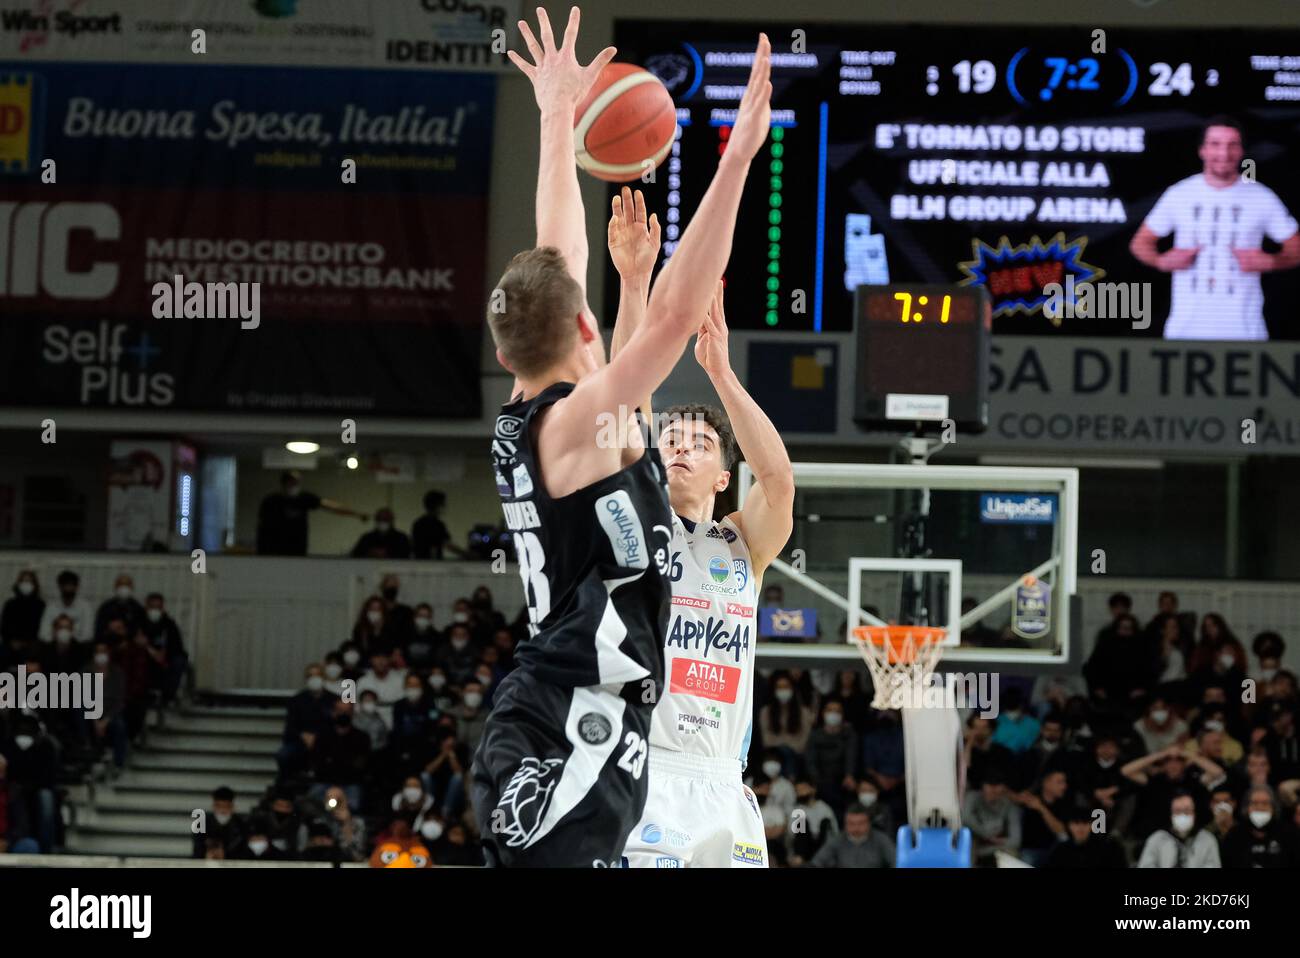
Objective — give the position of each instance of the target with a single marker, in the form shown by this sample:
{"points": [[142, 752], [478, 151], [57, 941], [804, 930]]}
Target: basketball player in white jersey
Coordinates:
{"points": [[698, 812]]}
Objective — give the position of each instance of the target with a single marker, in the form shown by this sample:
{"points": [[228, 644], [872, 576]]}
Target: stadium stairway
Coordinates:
{"points": [[230, 739]]}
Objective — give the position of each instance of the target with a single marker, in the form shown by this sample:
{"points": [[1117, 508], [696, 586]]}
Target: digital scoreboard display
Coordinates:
{"points": [[1066, 171]]}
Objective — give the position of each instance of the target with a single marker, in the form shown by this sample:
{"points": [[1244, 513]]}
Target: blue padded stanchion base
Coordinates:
{"points": [[932, 848]]}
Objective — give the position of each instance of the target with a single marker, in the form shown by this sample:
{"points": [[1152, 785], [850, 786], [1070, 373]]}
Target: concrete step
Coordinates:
{"points": [[190, 780], [231, 712], [96, 843], [273, 725], [162, 824], [132, 802], [239, 763], [212, 741]]}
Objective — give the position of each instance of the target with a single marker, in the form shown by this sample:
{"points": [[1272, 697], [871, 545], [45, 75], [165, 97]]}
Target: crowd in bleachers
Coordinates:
{"points": [[138, 650]]}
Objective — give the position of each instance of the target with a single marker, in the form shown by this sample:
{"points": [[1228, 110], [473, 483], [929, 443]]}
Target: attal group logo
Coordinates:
{"points": [[22, 111]]}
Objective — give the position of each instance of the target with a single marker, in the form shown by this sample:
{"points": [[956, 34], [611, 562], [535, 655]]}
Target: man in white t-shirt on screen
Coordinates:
{"points": [[1218, 220]]}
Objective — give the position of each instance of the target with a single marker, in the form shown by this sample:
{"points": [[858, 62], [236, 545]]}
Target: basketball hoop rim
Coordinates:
{"points": [[899, 644]]}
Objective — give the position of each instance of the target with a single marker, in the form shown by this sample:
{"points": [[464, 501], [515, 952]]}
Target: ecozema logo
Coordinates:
{"points": [[1006, 507]]}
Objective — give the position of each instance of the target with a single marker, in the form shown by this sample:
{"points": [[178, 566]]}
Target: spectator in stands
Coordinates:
{"points": [[1159, 727], [1102, 783], [1120, 605], [372, 631], [282, 517], [1181, 843], [1118, 671], [1268, 648], [1220, 748], [367, 719], [832, 757], [1085, 847], [32, 759], [882, 816], [443, 696], [857, 846], [283, 821], [110, 728], [62, 653], [122, 604], [164, 635], [353, 664], [341, 757], [1282, 745], [414, 720], [1170, 662], [132, 656], [1179, 774], [1043, 816], [332, 672], [994, 820], [444, 774], [786, 723], [318, 844], [455, 848], [385, 681], [221, 825], [470, 715], [257, 845], [1223, 812], [15, 834], [1051, 693], [1264, 839], [812, 825], [882, 759], [413, 804], [855, 702], [483, 610], [775, 822], [503, 640], [1047, 754], [20, 619], [308, 715], [489, 670], [429, 536], [424, 638], [383, 541], [458, 658], [983, 754], [1015, 730], [70, 604], [773, 596], [1219, 657], [776, 785], [349, 831]]}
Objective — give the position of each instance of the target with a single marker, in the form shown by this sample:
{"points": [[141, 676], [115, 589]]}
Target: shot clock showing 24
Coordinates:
{"points": [[965, 155]]}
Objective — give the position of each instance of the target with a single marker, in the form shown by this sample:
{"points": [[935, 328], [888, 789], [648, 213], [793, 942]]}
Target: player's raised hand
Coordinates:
{"points": [[754, 116], [1254, 260], [1178, 258], [559, 80], [633, 237], [711, 341]]}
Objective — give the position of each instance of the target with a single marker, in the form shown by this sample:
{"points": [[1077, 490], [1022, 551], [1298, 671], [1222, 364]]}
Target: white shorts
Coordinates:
{"points": [[699, 814]]}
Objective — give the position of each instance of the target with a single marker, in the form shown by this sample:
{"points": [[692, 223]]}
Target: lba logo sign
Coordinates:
{"points": [[21, 121]]}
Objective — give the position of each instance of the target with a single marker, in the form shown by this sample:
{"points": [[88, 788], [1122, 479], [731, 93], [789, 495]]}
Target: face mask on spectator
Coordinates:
{"points": [[155, 615], [1223, 808], [101, 659], [485, 678], [1183, 823], [24, 742], [771, 769], [1159, 716], [333, 671], [1267, 674], [423, 623], [63, 635], [834, 719], [459, 644], [784, 695], [383, 526], [47, 638], [432, 830], [123, 592], [1105, 762], [370, 708], [473, 699], [315, 683], [1214, 726], [1047, 746], [413, 695], [374, 616], [436, 682], [1227, 660], [26, 588], [1260, 819], [351, 657], [223, 818], [867, 799], [257, 846], [412, 794], [460, 617]]}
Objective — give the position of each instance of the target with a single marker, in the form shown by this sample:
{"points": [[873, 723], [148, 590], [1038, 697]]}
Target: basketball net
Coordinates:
{"points": [[901, 659]]}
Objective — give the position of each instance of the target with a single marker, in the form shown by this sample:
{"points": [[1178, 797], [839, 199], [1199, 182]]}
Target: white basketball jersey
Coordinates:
{"points": [[707, 705]]}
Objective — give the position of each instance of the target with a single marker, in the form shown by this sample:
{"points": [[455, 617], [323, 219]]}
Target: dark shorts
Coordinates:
{"points": [[560, 776]]}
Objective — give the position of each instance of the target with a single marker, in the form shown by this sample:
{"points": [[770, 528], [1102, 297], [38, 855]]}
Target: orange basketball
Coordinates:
{"points": [[626, 121]]}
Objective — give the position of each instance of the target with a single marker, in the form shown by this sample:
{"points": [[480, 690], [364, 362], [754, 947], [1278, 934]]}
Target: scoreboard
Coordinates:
{"points": [[1013, 159]]}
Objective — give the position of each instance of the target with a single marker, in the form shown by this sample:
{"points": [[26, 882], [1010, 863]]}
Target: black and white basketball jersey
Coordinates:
{"points": [[594, 563]]}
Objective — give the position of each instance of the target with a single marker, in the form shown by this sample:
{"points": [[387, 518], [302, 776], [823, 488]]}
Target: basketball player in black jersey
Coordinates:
{"points": [[559, 778]]}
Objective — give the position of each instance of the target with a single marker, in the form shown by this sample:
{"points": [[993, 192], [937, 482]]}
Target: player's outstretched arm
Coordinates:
{"points": [[634, 249], [768, 517], [559, 84], [681, 295]]}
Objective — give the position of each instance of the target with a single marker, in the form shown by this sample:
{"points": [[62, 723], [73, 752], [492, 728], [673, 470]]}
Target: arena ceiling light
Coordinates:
{"points": [[303, 447], [352, 462]]}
